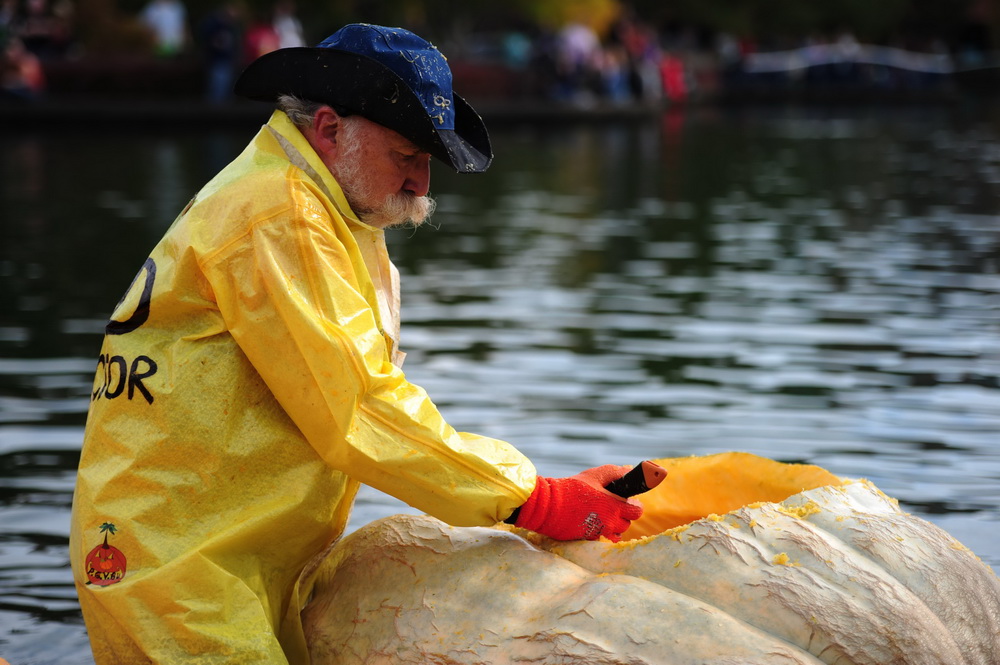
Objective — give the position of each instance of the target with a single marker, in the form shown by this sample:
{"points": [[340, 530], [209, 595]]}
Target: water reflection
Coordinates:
{"points": [[811, 286]]}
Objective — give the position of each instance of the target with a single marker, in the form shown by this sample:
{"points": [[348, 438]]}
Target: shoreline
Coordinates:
{"points": [[74, 112], [78, 112]]}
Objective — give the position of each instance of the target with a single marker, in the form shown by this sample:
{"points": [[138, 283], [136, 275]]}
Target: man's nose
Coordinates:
{"points": [[418, 179]]}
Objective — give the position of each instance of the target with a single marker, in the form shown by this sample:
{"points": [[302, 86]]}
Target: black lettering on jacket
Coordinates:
{"points": [[114, 374], [135, 377]]}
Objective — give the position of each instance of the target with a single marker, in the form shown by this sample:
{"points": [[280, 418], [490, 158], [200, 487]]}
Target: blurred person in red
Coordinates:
{"points": [[674, 77], [261, 37], [21, 74]]}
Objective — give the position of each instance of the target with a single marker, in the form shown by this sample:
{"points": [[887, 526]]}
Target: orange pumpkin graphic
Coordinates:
{"points": [[105, 564]]}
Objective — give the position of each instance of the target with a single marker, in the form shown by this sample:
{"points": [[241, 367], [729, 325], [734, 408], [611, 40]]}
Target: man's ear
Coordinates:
{"points": [[324, 134]]}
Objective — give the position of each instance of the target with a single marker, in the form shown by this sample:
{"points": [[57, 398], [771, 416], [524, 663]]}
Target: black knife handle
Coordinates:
{"points": [[642, 478]]}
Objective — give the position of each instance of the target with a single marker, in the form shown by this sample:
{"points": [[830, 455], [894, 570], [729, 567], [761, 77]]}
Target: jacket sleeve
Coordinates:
{"points": [[292, 299]]}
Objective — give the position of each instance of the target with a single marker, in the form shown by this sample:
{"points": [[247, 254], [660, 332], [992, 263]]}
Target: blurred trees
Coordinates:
{"points": [[770, 22], [597, 14], [101, 27], [875, 21], [775, 19]]}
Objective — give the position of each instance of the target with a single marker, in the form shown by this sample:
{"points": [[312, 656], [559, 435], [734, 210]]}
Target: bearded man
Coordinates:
{"points": [[250, 377]]}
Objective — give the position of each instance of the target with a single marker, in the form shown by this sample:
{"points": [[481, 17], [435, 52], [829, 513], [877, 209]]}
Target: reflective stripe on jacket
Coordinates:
{"points": [[244, 388]]}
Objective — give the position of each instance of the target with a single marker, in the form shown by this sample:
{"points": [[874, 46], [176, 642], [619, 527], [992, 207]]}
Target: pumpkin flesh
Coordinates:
{"points": [[697, 487]]}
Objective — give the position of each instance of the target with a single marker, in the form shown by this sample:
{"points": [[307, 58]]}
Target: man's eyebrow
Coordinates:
{"points": [[403, 144]]}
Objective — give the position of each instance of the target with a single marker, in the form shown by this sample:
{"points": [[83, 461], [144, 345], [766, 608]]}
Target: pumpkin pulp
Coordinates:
{"points": [[697, 487]]}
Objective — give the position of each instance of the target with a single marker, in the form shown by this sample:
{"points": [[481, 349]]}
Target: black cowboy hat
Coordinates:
{"points": [[387, 75]]}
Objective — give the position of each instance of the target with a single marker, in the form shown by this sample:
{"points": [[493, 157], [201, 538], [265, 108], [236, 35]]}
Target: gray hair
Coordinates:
{"points": [[299, 111]]}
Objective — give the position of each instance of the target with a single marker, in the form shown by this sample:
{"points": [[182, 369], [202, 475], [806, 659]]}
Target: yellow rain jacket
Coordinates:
{"points": [[245, 386]]}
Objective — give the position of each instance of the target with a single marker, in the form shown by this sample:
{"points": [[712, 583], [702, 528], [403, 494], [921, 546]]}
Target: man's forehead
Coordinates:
{"points": [[393, 139]]}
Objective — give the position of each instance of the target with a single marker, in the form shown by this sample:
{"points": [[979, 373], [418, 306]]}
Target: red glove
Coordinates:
{"points": [[578, 507]]}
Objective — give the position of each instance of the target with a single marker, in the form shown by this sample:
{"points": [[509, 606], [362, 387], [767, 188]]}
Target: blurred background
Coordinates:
{"points": [[711, 225], [531, 50]]}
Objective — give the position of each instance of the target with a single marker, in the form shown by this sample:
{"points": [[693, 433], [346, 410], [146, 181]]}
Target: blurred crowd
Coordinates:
{"points": [[628, 61], [572, 64], [635, 61], [632, 62], [34, 32]]}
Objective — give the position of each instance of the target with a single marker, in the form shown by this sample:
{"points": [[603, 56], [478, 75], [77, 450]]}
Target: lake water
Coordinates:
{"points": [[811, 285]]}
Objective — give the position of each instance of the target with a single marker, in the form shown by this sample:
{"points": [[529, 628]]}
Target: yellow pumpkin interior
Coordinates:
{"points": [[696, 487]]}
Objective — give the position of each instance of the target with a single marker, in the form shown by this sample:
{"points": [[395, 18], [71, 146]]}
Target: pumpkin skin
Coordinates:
{"points": [[836, 574]]}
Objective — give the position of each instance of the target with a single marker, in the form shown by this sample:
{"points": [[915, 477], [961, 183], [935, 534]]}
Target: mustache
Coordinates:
{"points": [[405, 209], [400, 209]]}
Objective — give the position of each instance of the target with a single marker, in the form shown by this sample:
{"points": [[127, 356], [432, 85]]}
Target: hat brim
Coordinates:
{"points": [[355, 83]]}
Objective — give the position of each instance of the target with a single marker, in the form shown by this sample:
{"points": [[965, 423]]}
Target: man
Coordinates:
{"points": [[249, 379]]}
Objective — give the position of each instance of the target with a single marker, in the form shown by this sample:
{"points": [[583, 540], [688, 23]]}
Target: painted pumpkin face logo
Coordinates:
{"points": [[105, 564]]}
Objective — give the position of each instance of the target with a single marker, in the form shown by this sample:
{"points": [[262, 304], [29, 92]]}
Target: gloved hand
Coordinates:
{"points": [[578, 507]]}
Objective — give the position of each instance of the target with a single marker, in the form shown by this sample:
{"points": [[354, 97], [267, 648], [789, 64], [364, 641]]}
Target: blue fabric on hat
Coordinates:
{"points": [[415, 60]]}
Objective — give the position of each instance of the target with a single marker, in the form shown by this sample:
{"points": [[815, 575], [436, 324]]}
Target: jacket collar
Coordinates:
{"points": [[302, 155]]}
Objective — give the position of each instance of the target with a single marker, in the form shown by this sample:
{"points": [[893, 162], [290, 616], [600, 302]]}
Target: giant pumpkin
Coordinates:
{"points": [[738, 560]]}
